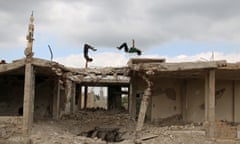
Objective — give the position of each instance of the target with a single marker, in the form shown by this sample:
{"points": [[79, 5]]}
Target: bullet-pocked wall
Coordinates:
{"points": [[11, 95]]}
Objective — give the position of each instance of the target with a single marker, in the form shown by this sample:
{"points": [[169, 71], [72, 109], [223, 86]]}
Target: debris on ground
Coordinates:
{"points": [[107, 134], [101, 127]]}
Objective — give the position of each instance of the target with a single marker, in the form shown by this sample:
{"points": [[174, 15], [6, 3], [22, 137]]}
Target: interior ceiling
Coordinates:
{"points": [[44, 71], [19, 71], [228, 74]]}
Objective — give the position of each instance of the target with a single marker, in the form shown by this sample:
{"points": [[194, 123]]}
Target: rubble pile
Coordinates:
{"points": [[226, 130], [172, 120], [9, 129], [101, 118], [100, 127]]}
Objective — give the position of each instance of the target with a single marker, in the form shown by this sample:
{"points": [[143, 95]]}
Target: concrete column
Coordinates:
{"points": [[85, 96], [68, 91], [206, 93], [210, 103], [143, 109], [79, 93], [184, 100], [73, 100], [28, 104], [132, 100], [56, 100], [236, 101]]}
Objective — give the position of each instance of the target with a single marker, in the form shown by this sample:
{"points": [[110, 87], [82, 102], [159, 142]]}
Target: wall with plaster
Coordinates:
{"points": [[195, 100], [224, 100], [166, 98]]}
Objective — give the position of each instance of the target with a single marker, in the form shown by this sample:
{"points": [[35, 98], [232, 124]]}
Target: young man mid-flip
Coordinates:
{"points": [[132, 49]]}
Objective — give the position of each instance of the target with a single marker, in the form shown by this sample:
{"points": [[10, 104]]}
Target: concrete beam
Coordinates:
{"points": [[28, 104], [12, 66], [144, 104], [185, 66], [143, 109]]}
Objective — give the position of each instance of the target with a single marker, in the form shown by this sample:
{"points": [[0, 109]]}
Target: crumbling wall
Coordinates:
{"points": [[11, 95], [166, 99], [43, 97]]}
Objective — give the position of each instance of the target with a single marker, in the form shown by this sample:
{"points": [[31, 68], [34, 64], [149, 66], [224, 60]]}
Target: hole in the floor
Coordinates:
{"points": [[107, 134]]}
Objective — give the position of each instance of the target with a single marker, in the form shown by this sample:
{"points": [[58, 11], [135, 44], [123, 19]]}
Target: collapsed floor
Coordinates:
{"points": [[70, 127]]}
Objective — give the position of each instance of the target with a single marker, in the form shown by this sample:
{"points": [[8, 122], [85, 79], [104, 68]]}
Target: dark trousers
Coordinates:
{"points": [[125, 46], [85, 51]]}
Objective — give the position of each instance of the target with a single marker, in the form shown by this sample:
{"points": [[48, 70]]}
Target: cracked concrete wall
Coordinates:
{"points": [[11, 95]]}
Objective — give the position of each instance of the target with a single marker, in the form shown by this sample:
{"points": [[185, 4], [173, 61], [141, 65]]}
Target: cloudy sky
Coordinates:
{"points": [[186, 30]]}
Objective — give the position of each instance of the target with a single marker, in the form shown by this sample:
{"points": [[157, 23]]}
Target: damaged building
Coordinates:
{"points": [[194, 91], [197, 92]]}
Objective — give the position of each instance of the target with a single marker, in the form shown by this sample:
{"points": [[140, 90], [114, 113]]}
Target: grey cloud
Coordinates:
{"points": [[213, 9], [107, 23]]}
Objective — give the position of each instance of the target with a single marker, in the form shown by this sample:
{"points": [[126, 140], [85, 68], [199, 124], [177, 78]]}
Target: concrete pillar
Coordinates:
{"points": [[206, 93], [132, 100], [236, 101], [56, 100], [143, 109], [73, 100], [85, 96], [28, 104], [79, 93], [184, 100], [68, 91], [210, 103]]}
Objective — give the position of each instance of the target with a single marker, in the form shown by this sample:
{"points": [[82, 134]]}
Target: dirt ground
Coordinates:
{"points": [[70, 127]]}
